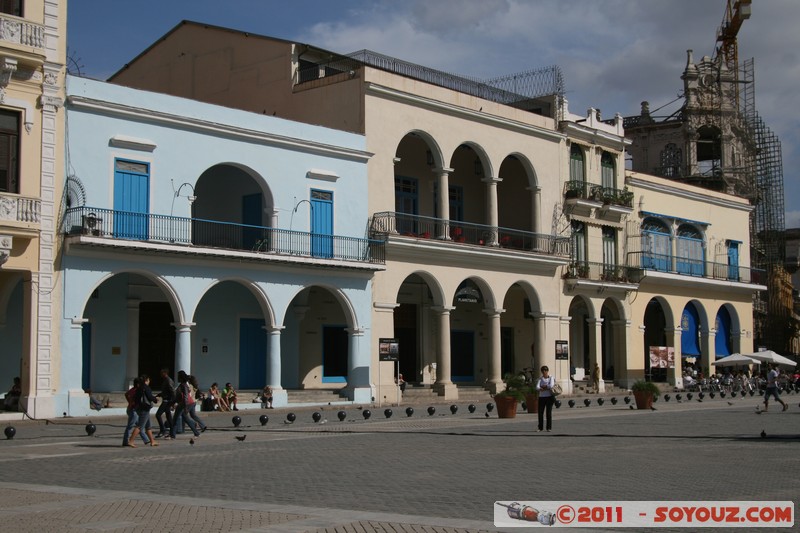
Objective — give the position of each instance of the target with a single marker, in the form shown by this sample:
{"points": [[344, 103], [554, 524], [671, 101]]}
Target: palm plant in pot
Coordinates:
{"points": [[508, 399], [644, 392]]}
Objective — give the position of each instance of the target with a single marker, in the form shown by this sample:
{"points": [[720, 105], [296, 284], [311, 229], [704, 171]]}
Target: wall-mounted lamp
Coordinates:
{"points": [[191, 197]]}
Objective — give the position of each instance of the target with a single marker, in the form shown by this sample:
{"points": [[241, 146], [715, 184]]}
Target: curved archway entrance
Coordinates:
{"points": [[655, 338]]}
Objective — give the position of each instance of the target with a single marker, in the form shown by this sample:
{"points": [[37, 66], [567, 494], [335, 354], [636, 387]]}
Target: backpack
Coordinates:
{"points": [[142, 401]]}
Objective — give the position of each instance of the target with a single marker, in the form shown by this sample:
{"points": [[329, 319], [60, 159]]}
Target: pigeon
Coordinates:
{"points": [[652, 408], [630, 406], [763, 434], [730, 403], [486, 415], [241, 438], [191, 442]]}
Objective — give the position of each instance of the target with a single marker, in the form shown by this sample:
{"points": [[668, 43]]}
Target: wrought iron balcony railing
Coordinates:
{"points": [[696, 267], [144, 227], [389, 223], [597, 272], [592, 191]]}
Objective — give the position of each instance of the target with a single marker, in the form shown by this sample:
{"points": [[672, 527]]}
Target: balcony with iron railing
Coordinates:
{"points": [[605, 272], [695, 268], [193, 234], [387, 224], [582, 190]]}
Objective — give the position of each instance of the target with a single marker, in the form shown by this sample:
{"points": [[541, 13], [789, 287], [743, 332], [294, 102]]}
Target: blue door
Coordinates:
{"points": [[321, 223], [733, 260], [251, 218], [131, 199], [252, 353]]}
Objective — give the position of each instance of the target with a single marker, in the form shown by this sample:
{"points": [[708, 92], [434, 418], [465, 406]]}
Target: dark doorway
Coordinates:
{"points": [[252, 353], [334, 354], [506, 351], [462, 356], [156, 338], [405, 329]]}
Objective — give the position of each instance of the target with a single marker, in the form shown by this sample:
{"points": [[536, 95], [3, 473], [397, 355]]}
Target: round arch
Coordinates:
{"points": [[255, 289]]}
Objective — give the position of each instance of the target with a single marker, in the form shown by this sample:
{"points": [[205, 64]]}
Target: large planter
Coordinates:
{"points": [[644, 400], [532, 402], [506, 406]]}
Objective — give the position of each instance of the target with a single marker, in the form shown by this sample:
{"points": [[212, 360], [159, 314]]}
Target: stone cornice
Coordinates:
{"points": [[158, 117], [462, 112], [677, 191]]}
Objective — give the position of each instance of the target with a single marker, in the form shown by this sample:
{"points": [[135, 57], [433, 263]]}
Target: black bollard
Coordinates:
{"points": [[387, 413], [367, 413], [316, 417], [453, 409], [342, 415], [571, 403], [489, 407], [558, 404], [667, 397], [431, 410], [10, 431], [587, 402], [471, 408], [600, 401], [409, 411], [291, 417], [263, 419], [236, 420], [613, 400], [90, 429]]}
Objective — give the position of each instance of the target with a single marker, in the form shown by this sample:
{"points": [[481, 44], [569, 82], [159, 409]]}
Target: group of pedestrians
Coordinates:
{"points": [[178, 406]]}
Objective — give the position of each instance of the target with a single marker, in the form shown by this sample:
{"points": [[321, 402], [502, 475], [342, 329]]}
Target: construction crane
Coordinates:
{"points": [[736, 13]]}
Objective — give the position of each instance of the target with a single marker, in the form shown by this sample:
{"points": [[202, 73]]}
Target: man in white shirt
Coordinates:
{"points": [[772, 388]]}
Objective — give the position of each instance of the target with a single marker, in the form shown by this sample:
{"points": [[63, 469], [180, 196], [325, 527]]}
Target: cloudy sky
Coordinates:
{"points": [[613, 53]]}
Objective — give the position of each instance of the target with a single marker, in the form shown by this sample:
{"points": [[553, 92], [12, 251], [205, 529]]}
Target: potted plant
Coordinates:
{"points": [[532, 398], [508, 399], [644, 392]]}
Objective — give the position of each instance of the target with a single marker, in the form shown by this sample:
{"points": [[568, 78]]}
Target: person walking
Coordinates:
{"points": [[772, 388], [144, 402], [546, 398], [133, 417], [167, 396], [185, 401], [596, 378]]}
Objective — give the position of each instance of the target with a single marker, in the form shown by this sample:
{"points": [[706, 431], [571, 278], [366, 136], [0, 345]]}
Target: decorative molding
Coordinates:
{"points": [[132, 143], [6, 243], [318, 174], [194, 124], [7, 68]]}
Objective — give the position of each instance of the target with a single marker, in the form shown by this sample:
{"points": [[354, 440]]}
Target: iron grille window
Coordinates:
{"points": [[9, 151], [576, 164]]}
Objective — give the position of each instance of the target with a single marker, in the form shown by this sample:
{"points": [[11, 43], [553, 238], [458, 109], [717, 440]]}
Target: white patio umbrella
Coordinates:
{"points": [[734, 360], [768, 356]]}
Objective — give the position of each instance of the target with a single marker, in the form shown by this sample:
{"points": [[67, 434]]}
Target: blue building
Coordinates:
{"points": [[227, 244]]}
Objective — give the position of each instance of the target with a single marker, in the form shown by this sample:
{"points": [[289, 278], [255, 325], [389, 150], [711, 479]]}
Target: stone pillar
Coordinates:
{"points": [[621, 329], [132, 347], [595, 349], [443, 202], [495, 383], [358, 369], [280, 398], [548, 331], [386, 389], [72, 374], [708, 350], [536, 204], [491, 208], [444, 386], [675, 375], [183, 347]]}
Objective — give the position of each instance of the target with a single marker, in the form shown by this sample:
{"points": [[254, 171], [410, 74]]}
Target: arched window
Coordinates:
{"points": [[689, 251], [671, 161], [656, 247], [607, 171], [576, 164]]}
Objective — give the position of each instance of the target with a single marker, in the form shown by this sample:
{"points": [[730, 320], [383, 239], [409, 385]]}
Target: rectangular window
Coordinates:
{"points": [[11, 7], [9, 151]]}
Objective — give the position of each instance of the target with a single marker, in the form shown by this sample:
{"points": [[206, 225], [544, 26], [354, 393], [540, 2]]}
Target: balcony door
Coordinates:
{"points": [[131, 199], [321, 223]]}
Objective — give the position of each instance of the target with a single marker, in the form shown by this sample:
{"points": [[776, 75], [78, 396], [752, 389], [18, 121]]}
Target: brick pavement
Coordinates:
{"points": [[425, 473]]}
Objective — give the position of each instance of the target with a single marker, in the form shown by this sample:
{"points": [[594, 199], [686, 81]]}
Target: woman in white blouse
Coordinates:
{"points": [[546, 398]]}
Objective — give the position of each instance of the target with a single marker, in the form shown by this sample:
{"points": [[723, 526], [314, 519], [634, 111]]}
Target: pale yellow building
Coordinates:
{"points": [[32, 68]]}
